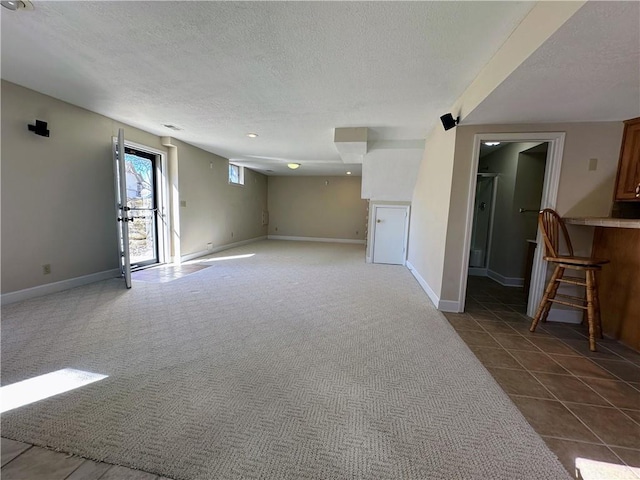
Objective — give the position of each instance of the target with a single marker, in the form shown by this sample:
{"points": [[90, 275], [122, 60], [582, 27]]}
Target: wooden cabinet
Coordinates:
{"points": [[618, 283], [628, 180]]}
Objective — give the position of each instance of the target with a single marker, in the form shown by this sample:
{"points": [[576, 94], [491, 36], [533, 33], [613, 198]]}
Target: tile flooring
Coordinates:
{"points": [[166, 273], [584, 404], [21, 461]]}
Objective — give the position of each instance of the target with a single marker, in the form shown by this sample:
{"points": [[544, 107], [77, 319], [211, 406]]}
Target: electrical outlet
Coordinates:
{"points": [[209, 246], [46, 269], [276, 229], [231, 234], [593, 164], [357, 232], [183, 203]]}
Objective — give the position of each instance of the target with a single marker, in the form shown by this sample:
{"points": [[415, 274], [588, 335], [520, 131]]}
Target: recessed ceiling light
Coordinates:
{"points": [[293, 166], [10, 5], [17, 4], [491, 144], [348, 173], [252, 135]]}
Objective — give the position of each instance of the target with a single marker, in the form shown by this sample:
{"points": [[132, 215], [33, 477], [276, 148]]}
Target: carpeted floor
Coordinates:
{"points": [[300, 361]]}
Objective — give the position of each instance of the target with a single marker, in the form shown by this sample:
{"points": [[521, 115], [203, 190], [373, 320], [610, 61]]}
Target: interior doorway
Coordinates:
{"points": [[527, 170]]}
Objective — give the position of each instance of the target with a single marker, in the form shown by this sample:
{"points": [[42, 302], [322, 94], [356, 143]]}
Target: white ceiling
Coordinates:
{"points": [[588, 71], [289, 71], [294, 71]]}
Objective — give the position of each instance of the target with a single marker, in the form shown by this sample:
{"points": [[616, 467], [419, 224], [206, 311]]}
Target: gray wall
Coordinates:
{"points": [[321, 207]]}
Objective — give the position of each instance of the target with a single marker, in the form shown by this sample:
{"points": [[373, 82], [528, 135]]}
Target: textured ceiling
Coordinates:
{"points": [[588, 71], [290, 72]]}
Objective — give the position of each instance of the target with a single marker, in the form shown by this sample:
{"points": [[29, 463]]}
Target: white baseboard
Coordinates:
{"points": [[203, 253], [477, 272], [449, 306], [442, 305], [505, 281], [55, 287], [315, 239]]}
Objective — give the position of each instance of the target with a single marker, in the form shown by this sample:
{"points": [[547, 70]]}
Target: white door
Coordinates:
{"points": [[390, 234], [123, 212]]}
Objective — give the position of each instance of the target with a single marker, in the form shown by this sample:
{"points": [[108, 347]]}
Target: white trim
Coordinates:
{"points": [[549, 198], [505, 281], [407, 209], [315, 239], [423, 283], [477, 272], [442, 305], [55, 287], [449, 306], [204, 253]]}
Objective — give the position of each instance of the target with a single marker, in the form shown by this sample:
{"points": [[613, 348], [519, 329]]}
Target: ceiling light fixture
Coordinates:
{"points": [[348, 173], [293, 166], [17, 5], [252, 135], [491, 144]]}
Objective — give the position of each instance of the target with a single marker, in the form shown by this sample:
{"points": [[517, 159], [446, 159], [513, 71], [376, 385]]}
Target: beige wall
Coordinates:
{"points": [[429, 207], [58, 193], [321, 207], [581, 192], [216, 212]]}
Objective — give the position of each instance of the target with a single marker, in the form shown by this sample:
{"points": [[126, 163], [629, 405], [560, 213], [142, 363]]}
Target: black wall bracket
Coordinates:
{"points": [[40, 128]]}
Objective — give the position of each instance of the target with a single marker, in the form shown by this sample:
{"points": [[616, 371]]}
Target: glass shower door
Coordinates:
{"points": [[482, 221]]}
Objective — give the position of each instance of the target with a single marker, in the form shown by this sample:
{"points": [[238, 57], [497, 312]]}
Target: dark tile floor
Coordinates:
{"points": [[21, 461], [585, 405]]}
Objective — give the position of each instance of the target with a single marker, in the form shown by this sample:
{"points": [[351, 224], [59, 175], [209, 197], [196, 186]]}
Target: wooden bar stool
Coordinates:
{"points": [[552, 228]]}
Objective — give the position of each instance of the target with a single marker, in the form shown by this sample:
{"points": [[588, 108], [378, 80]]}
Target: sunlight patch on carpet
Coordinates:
{"points": [[44, 386]]}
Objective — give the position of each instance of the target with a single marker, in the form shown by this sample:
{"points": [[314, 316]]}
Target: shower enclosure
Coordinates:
{"points": [[482, 223]]}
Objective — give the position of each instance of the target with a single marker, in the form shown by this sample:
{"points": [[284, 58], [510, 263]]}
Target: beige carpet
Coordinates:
{"points": [[299, 362]]}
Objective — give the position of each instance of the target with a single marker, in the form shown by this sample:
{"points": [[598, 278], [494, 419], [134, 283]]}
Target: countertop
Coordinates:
{"points": [[604, 222]]}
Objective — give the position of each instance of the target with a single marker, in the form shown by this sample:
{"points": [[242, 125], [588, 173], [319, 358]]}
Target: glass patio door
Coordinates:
{"points": [[140, 175]]}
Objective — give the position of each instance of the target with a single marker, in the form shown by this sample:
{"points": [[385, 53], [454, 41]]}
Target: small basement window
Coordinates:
{"points": [[236, 174]]}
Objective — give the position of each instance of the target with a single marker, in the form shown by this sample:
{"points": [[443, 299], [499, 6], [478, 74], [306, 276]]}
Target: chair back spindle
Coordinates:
{"points": [[553, 231]]}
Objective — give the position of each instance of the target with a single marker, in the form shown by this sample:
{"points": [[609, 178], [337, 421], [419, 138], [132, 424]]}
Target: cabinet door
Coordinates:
{"points": [[628, 182]]}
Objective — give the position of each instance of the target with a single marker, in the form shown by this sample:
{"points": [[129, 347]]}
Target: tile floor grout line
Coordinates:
{"points": [[20, 454], [551, 393]]}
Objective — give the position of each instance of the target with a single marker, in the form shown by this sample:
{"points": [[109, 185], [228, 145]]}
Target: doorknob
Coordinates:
{"points": [[379, 221]]}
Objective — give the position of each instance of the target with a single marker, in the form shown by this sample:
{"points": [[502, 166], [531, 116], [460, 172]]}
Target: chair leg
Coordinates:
{"points": [[591, 311], [596, 305], [549, 293], [552, 295]]}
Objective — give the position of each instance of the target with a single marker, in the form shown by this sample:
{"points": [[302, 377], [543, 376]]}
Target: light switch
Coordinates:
{"points": [[593, 164], [183, 203]]}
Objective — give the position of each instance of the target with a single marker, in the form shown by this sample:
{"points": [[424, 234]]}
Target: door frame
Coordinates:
{"points": [[549, 198], [407, 211], [162, 195]]}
